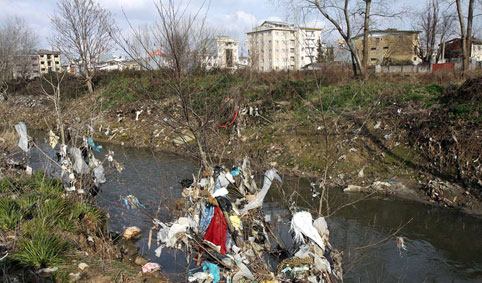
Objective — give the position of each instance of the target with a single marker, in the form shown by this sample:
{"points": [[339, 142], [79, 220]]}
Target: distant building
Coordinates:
{"points": [[452, 50], [38, 63], [117, 63], [49, 61], [281, 46], [222, 53], [390, 47]]}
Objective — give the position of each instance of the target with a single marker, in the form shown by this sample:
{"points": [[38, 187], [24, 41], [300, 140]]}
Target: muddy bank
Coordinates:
{"points": [[369, 140]]}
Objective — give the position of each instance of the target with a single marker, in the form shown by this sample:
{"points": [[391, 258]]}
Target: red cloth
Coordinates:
{"points": [[216, 232]]}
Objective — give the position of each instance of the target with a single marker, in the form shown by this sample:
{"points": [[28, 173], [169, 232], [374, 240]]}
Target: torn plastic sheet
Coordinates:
{"points": [[79, 166], [22, 132], [269, 176], [302, 225]]}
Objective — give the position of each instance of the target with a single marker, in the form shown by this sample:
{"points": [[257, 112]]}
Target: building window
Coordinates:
{"points": [[292, 50], [373, 59], [42, 62], [373, 48], [414, 58], [386, 47]]}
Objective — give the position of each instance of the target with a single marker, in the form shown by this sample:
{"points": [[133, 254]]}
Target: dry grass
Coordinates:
{"points": [[8, 139]]}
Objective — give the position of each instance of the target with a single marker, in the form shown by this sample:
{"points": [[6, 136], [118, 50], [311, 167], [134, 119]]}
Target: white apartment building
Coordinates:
{"points": [[281, 46], [223, 53]]}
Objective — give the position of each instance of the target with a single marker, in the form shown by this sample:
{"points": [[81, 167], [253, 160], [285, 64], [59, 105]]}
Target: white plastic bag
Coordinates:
{"points": [[302, 225], [269, 176], [22, 132]]}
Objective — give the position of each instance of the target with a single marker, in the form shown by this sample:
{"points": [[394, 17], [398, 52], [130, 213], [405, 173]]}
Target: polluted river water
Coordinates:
{"points": [[441, 245]]}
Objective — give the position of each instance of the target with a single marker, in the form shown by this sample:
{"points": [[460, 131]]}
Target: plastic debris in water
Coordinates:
{"points": [[131, 202], [401, 245]]}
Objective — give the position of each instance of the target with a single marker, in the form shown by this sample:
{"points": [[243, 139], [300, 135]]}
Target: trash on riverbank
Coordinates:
{"points": [[131, 232], [223, 230]]}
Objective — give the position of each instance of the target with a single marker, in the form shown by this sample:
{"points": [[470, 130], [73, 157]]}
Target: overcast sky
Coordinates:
{"points": [[231, 17]]}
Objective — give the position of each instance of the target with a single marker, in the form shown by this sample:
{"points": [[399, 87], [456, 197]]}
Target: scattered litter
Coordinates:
{"points": [[151, 267], [48, 270], [83, 266], [213, 270], [401, 245], [131, 202], [131, 232], [53, 139], [92, 145], [377, 125]]}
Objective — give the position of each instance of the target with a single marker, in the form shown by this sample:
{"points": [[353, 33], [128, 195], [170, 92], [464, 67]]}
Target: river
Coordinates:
{"points": [[441, 245]]}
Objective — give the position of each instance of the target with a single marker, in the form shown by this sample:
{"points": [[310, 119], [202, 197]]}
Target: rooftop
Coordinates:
{"points": [[377, 32]]}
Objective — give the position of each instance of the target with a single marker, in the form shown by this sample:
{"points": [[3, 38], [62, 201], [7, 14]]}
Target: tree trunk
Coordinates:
{"points": [[89, 85], [463, 34], [468, 40], [366, 25]]}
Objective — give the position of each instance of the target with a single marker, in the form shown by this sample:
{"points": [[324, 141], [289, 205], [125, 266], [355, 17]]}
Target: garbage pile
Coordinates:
{"points": [[223, 230], [80, 170]]}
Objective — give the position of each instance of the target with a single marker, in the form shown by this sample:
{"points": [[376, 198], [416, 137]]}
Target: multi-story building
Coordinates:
{"points": [[34, 65], [223, 53], [390, 47], [281, 46], [49, 61]]}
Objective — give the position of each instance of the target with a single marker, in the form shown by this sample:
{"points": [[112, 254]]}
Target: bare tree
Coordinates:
{"points": [[17, 41], [177, 44], [436, 22], [83, 30]]}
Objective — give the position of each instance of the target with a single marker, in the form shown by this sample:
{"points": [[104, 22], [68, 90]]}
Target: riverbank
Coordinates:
{"points": [[48, 235], [358, 133]]}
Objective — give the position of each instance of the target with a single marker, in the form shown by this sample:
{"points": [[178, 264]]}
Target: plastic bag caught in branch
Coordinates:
{"points": [[302, 225], [79, 165], [22, 132], [53, 139], [269, 176]]}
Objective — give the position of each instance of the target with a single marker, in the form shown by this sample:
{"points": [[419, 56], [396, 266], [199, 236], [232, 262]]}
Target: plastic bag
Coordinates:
{"points": [[269, 176], [302, 224], [79, 165], [213, 270], [22, 132]]}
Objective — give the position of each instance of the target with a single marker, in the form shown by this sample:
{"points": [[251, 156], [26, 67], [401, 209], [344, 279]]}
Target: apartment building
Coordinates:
{"points": [[223, 53], [33, 65], [282, 46], [49, 61], [390, 47]]}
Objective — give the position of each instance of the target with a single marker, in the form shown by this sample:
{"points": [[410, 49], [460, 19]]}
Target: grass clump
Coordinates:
{"points": [[41, 249], [44, 220]]}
